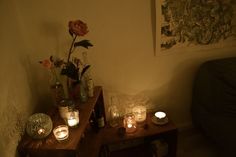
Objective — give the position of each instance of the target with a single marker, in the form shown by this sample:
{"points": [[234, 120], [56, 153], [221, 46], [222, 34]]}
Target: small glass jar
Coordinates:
{"points": [[130, 124], [72, 117], [61, 132], [140, 113], [65, 106]]}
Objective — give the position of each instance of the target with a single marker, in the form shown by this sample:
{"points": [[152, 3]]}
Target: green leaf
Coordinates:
{"points": [[84, 70], [70, 71], [84, 43]]}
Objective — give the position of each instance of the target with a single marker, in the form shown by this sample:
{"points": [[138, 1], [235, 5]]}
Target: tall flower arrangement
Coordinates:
{"points": [[71, 67]]}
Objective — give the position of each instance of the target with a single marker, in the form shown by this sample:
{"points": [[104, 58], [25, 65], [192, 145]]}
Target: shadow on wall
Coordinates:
{"points": [[37, 84]]}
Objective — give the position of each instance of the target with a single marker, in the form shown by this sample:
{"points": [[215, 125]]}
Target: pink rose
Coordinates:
{"points": [[78, 28]]}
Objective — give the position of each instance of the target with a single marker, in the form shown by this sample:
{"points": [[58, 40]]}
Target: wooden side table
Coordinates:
{"points": [[50, 147], [90, 145]]}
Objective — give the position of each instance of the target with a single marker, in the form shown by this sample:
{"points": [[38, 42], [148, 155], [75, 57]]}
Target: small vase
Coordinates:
{"points": [[57, 93], [114, 113]]}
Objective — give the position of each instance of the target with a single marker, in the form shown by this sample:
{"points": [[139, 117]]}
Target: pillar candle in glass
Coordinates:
{"points": [[130, 123], [140, 113], [73, 118], [61, 132]]}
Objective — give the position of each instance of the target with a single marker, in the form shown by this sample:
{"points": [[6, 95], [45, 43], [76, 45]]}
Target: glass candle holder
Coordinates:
{"points": [[72, 118], [114, 113], [39, 126], [64, 107], [140, 113], [160, 118], [130, 124], [61, 132]]}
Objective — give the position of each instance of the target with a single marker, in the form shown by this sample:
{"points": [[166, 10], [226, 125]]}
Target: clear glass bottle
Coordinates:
{"points": [[114, 114], [83, 94], [56, 88]]}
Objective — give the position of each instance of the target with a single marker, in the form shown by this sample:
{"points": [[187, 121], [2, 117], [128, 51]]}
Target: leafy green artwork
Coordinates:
{"points": [[198, 22]]}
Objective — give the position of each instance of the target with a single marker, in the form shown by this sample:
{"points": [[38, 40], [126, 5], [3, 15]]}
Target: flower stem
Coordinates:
{"points": [[71, 49], [68, 59]]}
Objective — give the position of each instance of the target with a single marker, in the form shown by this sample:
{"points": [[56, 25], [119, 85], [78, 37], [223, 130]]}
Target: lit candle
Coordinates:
{"points": [[73, 118], [72, 121], [61, 132], [41, 131], [140, 113], [160, 115], [130, 123], [160, 118]]}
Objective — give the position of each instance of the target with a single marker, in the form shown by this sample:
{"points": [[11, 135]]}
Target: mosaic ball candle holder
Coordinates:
{"points": [[39, 126]]}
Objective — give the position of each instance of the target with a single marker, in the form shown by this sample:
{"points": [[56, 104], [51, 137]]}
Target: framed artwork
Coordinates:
{"points": [[192, 23]]}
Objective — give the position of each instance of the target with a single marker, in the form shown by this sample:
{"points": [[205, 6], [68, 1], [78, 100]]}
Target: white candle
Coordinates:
{"points": [[140, 113], [61, 132], [160, 115], [72, 121], [73, 118]]}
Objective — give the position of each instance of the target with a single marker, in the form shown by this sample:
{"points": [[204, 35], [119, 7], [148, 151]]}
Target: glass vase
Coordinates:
{"points": [[114, 114], [57, 89], [83, 92]]}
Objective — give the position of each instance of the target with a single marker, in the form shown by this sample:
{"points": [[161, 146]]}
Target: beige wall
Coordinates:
{"points": [[123, 59]]}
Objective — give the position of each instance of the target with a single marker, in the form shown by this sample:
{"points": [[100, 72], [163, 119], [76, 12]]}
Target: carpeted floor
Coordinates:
{"points": [[191, 143]]}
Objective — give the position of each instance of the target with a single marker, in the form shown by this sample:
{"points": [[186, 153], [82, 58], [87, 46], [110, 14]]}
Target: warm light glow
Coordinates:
{"points": [[41, 131], [61, 132], [160, 115], [73, 118], [72, 122], [140, 113], [130, 123]]}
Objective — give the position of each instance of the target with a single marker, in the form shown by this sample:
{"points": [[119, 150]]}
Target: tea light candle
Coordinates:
{"points": [[140, 113], [130, 123], [73, 118], [160, 115], [61, 132]]}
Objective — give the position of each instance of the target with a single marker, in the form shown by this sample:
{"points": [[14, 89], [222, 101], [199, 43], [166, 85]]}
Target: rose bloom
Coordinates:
{"points": [[46, 63], [78, 27]]}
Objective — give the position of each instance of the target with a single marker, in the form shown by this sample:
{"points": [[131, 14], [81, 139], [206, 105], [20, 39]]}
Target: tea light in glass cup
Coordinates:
{"points": [[140, 113], [61, 132], [130, 123], [160, 118], [73, 118]]}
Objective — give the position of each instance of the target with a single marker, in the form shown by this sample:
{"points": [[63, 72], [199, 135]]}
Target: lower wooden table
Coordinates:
{"points": [[149, 132]]}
